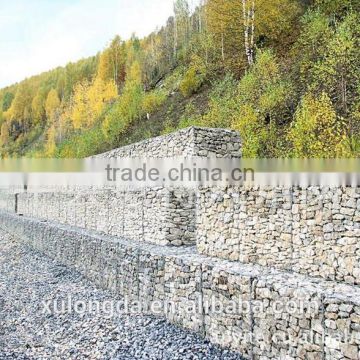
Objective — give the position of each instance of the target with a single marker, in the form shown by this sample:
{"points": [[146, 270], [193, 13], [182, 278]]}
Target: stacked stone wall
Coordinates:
{"points": [[288, 258], [155, 215], [193, 141], [282, 315], [159, 215], [313, 230]]}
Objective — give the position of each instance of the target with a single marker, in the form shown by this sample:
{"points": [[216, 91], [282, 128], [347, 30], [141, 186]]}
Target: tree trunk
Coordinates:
{"points": [[252, 31], [222, 47], [175, 37], [249, 29]]}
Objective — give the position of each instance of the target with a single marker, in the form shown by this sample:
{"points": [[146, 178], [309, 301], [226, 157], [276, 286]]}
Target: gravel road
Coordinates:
{"points": [[28, 330]]}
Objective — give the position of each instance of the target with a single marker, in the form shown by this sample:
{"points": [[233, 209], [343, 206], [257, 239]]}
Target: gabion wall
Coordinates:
{"points": [[282, 315], [289, 258], [193, 141], [314, 230]]}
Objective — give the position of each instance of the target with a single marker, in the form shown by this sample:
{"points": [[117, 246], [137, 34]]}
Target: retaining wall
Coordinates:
{"points": [[155, 215], [322, 323], [314, 230], [265, 247], [8, 200], [189, 142], [158, 215]]}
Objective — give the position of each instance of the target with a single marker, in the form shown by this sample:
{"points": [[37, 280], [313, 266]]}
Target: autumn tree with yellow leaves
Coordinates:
{"points": [[285, 73]]}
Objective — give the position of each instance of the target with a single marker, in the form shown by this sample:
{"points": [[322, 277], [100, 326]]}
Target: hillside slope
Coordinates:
{"points": [[285, 73]]}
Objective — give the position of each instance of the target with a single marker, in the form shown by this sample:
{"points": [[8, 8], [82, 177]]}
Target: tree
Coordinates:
{"points": [[112, 62], [38, 107], [167, 43], [52, 104], [134, 55], [205, 48], [262, 104], [7, 100], [223, 105], [194, 77], [181, 25], [79, 112], [99, 94], [89, 100], [223, 21], [337, 9], [310, 48], [82, 70], [20, 109], [249, 28], [240, 27], [61, 84], [21, 100], [338, 72], [50, 146], [128, 106], [4, 136], [317, 131]]}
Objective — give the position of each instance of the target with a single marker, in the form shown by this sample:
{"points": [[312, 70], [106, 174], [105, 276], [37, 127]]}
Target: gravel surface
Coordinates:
{"points": [[28, 330]]}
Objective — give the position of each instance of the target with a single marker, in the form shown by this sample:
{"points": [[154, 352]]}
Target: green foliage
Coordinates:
{"points": [[52, 104], [353, 144], [275, 24], [168, 128], [317, 131], [127, 108], [191, 83], [82, 145], [4, 134], [336, 9], [173, 80], [153, 100], [194, 77], [22, 144], [38, 106], [338, 73], [7, 100], [190, 117], [112, 63], [222, 103], [203, 46], [262, 103], [265, 88], [74, 73], [310, 47], [50, 145], [298, 96]]}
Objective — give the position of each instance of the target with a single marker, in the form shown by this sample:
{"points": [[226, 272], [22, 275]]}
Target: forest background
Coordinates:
{"points": [[284, 73]]}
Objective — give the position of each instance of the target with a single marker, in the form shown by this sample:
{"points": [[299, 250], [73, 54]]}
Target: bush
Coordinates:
{"points": [[222, 104], [153, 101], [190, 118], [84, 144], [190, 84], [261, 107], [126, 109], [173, 80], [193, 78], [317, 131], [252, 131], [354, 146]]}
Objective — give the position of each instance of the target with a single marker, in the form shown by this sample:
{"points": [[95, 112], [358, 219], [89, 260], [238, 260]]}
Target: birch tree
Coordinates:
{"points": [[112, 62], [222, 18], [248, 7], [181, 25]]}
